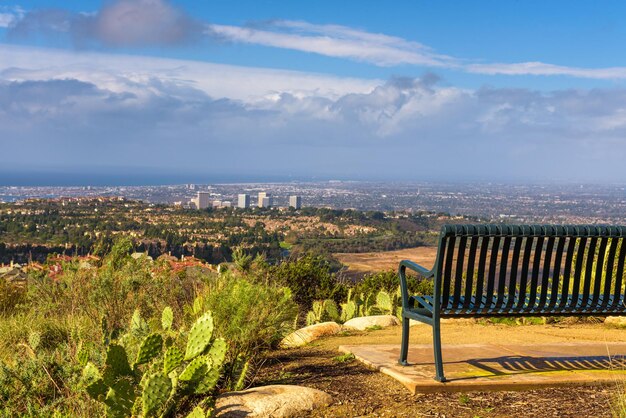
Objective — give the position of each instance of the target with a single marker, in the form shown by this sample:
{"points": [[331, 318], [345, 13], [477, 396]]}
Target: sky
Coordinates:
{"points": [[160, 91]]}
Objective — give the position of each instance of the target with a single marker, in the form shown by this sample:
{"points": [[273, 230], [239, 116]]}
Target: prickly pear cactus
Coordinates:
{"points": [[116, 364], [167, 318], [217, 353], [384, 303], [199, 336], [150, 348], [120, 399], [348, 311], [172, 359], [330, 310], [196, 413], [194, 370], [155, 385], [311, 318], [156, 391]]}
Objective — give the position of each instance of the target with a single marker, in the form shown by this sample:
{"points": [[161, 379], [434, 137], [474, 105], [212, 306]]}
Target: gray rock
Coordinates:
{"points": [[270, 401], [618, 321], [364, 322], [307, 334]]}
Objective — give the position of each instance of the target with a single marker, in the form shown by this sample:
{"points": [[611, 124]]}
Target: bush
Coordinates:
{"points": [[252, 316], [309, 279], [389, 282]]}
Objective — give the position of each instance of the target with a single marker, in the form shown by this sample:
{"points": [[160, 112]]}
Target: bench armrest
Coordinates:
{"points": [[422, 271]]}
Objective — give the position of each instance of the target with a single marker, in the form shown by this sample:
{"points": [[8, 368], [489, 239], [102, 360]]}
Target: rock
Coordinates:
{"points": [[364, 322], [307, 334], [619, 321], [271, 401], [413, 322]]}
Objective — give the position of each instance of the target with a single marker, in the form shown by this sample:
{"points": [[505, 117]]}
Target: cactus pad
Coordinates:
{"points": [[383, 301], [167, 318], [208, 380], [116, 364], [348, 311], [156, 391], [330, 310], [194, 370], [199, 336], [150, 348], [172, 359], [120, 399], [197, 412], [217, 353]]}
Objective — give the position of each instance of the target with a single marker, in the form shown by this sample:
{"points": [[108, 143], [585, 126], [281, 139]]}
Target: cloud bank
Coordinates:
{"points": [[402, 128]]}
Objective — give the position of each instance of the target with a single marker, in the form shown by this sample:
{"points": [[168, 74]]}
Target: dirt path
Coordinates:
{"points": [[359, 391], [386, 260]]}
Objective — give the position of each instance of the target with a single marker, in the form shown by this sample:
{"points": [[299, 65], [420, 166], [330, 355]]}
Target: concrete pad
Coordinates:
{"points": [[471, 367]]}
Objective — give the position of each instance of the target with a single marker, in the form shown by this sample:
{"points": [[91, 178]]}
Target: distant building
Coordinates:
{"points": [[226, 204], [295, 202], [201, 201], [265, 200], [243, 201]]}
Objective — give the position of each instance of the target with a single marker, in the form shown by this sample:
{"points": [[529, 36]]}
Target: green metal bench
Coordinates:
{"points": [[517, 270]]}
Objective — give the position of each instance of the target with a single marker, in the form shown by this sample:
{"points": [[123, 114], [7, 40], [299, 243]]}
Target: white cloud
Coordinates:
{"points": [[384, 50], [336, 41], [121, 73], [10, 15], [96, 108]]}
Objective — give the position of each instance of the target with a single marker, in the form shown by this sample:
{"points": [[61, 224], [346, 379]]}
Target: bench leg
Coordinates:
{"points": [[437, 348], [404, 347]]}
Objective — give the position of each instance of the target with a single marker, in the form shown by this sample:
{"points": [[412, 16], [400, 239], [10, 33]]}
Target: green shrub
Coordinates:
{"points": [[252, 316], [309, 278], [389, 282]]}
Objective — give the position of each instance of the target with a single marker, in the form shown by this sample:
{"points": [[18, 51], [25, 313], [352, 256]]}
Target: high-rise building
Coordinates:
{"points": [[295, 202], [202, 200], [267, 202], [243, 201], [262, 197]]}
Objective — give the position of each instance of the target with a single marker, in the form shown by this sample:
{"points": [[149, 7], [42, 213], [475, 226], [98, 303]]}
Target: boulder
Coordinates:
{"points": [[270, 401], [365, 322], [618, 321], [307, 334]]}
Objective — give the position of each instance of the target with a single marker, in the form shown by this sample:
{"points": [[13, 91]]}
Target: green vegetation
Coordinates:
{"points": [[69, 348], [35, 228]]}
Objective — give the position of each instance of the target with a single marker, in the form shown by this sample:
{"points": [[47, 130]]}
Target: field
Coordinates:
{"points": [[363, 263]]}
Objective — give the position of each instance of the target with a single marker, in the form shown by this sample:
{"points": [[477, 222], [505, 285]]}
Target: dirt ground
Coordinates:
{"points": [[386, 260], [361, 392]]}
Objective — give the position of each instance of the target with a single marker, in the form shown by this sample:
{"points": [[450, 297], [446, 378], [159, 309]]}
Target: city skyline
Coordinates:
{"points": [[142, 91]]}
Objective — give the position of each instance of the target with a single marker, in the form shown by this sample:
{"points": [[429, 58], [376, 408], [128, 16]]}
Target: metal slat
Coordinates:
{"points": [[469, 280], [567, 272], [556, 272], [610, 268], [534, 279], [458, 280], [447, 273], [599, 269], [513, 276], [495, 249], [480, 281], [545, 277], [591, 254], [619, 275], [578, 271], [528, 247], [504, 260]]}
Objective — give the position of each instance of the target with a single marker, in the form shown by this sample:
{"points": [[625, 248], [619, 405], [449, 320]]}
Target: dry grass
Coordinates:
{"points": [[387, 260]]}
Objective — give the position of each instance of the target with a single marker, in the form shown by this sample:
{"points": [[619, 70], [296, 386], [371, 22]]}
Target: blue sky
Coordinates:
{"points": [[499, 90]]}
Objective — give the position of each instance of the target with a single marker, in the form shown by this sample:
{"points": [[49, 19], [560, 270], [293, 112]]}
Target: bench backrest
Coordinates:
{"points": [[530, 269]]}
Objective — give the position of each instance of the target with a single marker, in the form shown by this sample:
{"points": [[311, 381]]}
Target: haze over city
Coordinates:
{"points": [[163, 92]]}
